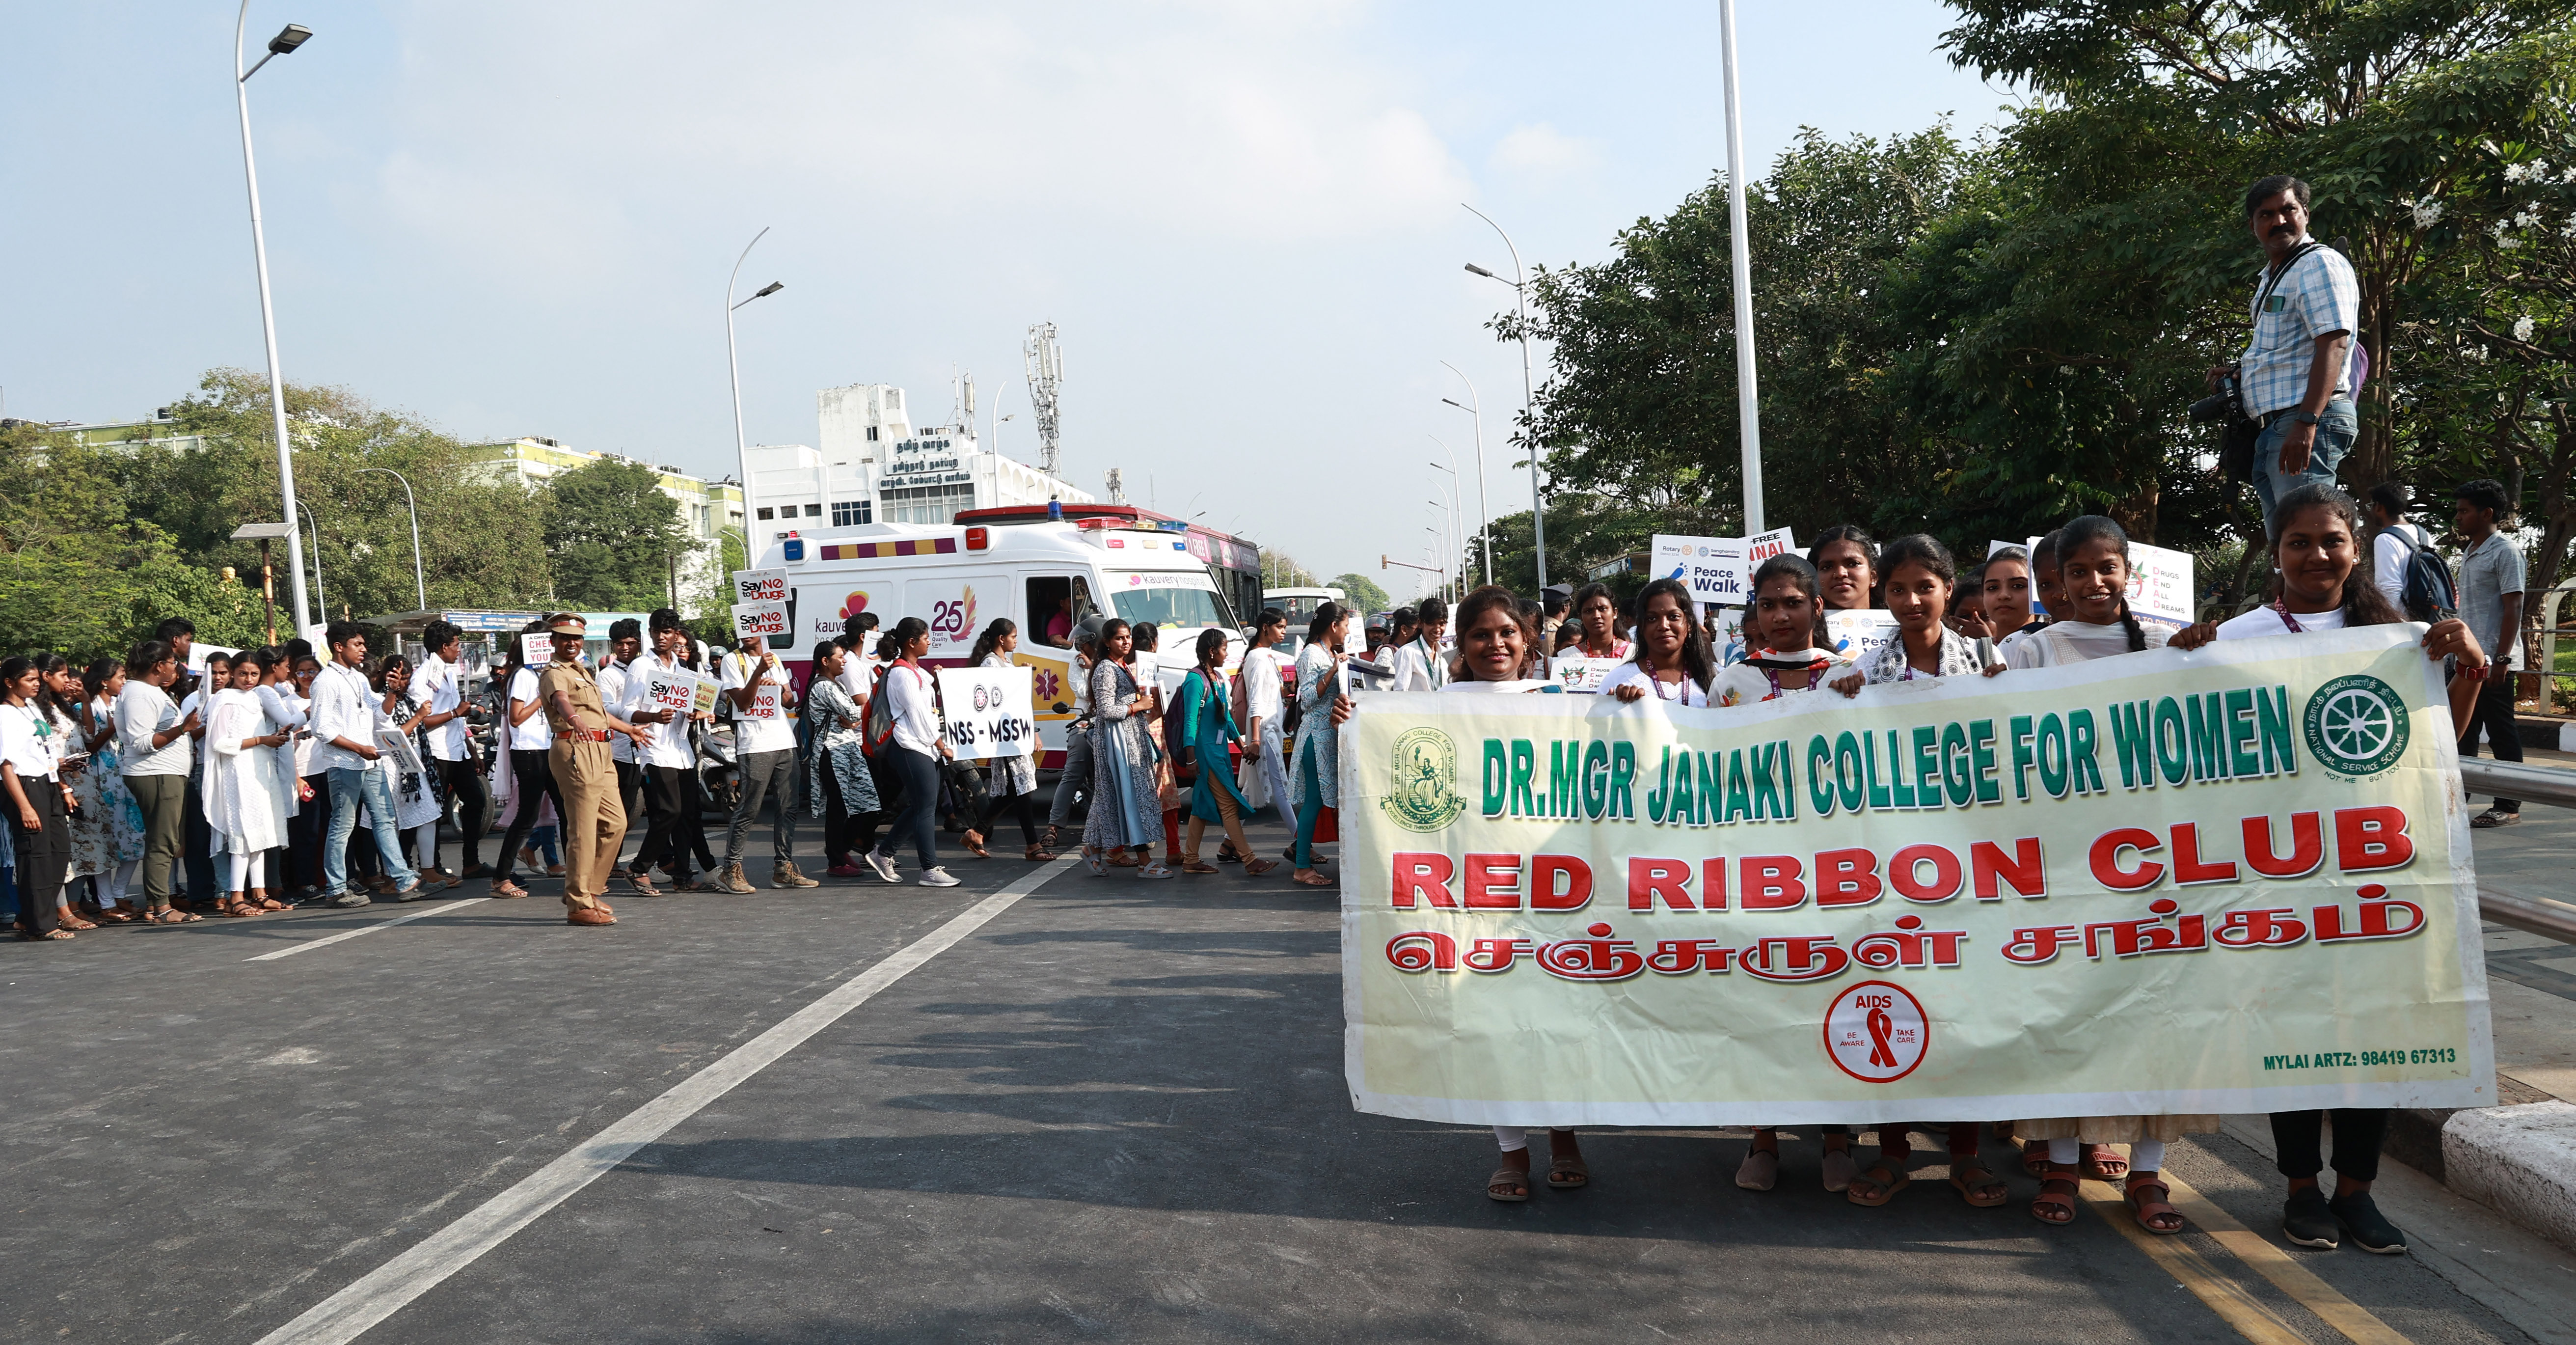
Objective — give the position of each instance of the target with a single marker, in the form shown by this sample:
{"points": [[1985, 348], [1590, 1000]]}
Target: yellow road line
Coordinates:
{"points": [[2273, 1263], [2241, 1310]]}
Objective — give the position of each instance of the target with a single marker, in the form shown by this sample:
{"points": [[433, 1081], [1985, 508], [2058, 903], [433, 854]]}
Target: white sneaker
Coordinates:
{"points": [[936, 878], [884, 866]]}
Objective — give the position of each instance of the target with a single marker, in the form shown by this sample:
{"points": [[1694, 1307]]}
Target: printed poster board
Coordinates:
{"points": [[986, 711]]}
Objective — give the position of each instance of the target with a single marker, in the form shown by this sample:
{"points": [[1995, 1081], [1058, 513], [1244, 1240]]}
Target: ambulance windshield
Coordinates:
{"points": [[1167, 599]]}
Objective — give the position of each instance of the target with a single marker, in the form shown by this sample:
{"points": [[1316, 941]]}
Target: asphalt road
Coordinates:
{"points": [[1113, 1111]]}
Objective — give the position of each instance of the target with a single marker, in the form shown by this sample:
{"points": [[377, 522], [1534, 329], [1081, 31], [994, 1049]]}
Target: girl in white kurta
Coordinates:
{"points": [[246, 794]]}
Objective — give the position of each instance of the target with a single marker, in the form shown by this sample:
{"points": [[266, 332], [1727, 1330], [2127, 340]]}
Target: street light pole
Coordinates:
{"points": [[1450, 537], [287, 40], [1748, 404], [733, 368], [1520, 291], [419, 583], [1485, 510], [321, 595], [1456, 515]]}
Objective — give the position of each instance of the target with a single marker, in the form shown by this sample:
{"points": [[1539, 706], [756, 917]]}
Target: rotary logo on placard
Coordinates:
{"points": [[1423, 795], [2356, 725], [1877, 1032]]}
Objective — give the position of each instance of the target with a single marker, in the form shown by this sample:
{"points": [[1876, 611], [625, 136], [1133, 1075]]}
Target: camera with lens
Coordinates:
{"points": [[2223, 407]]}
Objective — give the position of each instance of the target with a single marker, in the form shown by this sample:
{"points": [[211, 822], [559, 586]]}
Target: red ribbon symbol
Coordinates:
{"points": [[1881, 1029]]}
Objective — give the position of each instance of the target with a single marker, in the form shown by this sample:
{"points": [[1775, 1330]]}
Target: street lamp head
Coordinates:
{"points": [[1474, 269], [771, 288], [1448, 402], [289, 38]]}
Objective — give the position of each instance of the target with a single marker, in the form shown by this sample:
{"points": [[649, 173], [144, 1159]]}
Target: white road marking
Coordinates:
{"points": [[310, 944], [382, 1292]]}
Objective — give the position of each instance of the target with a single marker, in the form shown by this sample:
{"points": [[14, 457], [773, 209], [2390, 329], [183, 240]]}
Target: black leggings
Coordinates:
{"points": [[669, 798], [473, 806], [2359, 1133], [918, 822], [530, 776], [844, 832], [305, 833], [44, 854], [1025, 806]]}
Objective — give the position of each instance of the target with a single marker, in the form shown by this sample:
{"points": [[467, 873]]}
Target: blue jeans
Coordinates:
{"points": [[348, 790], [2336, 426]]}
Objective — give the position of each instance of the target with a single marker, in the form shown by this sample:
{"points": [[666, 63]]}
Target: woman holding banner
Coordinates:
{"points": [[2317, 530], [1014, 778], [1126, 803], [1495, 639], [1671, 659]]}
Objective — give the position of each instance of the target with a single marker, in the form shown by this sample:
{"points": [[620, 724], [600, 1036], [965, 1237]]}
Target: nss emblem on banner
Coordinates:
{"points": [[2230, 880]]}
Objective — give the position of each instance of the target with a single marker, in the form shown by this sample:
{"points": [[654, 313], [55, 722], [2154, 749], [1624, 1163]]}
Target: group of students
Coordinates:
{"points": [[2081, 574]]}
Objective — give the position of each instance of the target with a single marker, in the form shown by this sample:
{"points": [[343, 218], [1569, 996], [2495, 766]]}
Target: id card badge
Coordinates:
{"points": [[2278, 303]]}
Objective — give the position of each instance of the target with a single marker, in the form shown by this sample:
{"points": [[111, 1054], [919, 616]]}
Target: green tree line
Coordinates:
{"points": [[100, 541], [1981, 337]]}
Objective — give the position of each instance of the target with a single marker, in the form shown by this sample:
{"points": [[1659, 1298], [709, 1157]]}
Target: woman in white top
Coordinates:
{"points": [[311, 820], [917, 748], [1495, 638], [2093, 583], [2322, 587], [1916, 581], [1014, 779], [1786, 632], [2006, 591], [1671, 660], [2092, 556], [1265, 772], [38, 804], [1315, 764], [1792, 655], [58, 699], [156, 742], [246, 794]]}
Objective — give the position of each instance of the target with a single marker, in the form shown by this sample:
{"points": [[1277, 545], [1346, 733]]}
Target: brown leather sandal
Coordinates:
{"points": [[2148, 1197], [1509, 1185], [2056, 1202], [2104, 1164]]}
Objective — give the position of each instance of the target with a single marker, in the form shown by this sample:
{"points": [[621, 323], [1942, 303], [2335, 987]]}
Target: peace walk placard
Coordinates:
{"points": [[2230, 880]]}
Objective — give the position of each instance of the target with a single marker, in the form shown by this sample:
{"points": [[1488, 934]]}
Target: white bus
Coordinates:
{"points": [[1046, 577]]}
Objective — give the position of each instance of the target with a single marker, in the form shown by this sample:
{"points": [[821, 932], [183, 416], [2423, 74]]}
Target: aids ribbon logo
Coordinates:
{"points": [[1876, 1032]]}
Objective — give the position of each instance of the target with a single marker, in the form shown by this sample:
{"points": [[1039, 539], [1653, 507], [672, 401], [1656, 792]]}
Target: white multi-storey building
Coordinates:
{"points": [[874, 466]]}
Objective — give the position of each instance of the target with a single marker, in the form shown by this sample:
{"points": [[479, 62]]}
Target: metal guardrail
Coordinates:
{"points": [[2544, 916]]}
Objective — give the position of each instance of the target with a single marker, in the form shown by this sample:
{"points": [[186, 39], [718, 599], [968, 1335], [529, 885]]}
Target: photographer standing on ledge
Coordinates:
{"points": [[2296, 372]]}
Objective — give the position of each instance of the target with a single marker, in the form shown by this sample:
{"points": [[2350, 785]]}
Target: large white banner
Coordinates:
{"points": [[987, 711]]}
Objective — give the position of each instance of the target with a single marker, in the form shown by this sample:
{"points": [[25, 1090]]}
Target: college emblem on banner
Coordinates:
{"points": [[2357, 725], [1424, 794], [1876, 1032]]}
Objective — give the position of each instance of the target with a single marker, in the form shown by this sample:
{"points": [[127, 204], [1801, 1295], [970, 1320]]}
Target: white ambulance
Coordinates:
{"points": [[1046, 577]]}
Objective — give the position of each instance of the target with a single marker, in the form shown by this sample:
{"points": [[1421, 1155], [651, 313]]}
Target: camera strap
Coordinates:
{"points": [[2282, 271]]}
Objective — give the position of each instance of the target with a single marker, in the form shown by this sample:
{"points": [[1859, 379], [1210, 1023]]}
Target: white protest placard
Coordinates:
{"points": [[1577, 672], [2160, 585], [414, 806], [1859, 633], [1762, 546], [757, 587], [1726, 635], [1712, 567], [987, 711], [679, 690], [768, 620], [1995, 548], [536, 649]]}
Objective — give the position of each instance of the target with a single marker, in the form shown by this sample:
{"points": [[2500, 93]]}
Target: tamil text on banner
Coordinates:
{"points": [[768, 620], [1712, 567], [987, 711], [2230, 880]]}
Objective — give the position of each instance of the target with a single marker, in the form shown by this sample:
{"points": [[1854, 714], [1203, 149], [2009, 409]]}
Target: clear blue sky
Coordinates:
{"points": [[517, 219]]}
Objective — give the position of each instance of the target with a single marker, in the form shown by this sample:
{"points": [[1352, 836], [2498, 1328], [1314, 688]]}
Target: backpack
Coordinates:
{"points": [[877, 731], [2426, 593]]}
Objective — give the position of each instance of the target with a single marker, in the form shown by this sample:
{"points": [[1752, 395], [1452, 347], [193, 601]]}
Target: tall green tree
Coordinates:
{"points": [[476, 533], [614, 536], [1362, 591], [80, 574]]}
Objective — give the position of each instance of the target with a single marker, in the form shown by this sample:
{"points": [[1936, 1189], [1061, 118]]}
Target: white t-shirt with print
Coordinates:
{"points": [[762, 726]]}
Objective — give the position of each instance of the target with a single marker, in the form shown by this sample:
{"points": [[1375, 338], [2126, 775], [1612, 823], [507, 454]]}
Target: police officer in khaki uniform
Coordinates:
{"points": [[594, 819]]}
